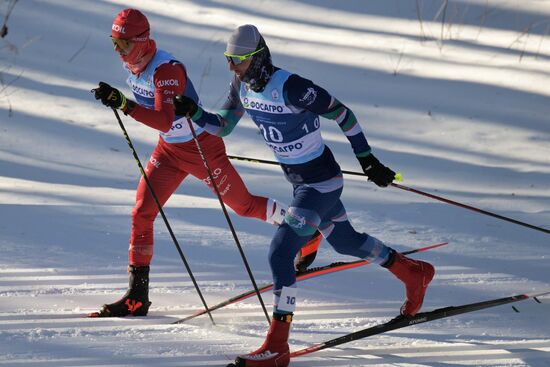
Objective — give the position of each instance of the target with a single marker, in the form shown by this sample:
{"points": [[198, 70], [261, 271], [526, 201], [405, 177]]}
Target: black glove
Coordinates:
{"points": [[185, 106], [376, 171], [110, 97]]}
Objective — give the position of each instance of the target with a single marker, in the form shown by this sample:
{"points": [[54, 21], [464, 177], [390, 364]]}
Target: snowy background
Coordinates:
{"points": [[455, 97]]}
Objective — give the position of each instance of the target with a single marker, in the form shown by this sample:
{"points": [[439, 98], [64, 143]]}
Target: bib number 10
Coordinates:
{"points": [[316, 124], [275, 135]]}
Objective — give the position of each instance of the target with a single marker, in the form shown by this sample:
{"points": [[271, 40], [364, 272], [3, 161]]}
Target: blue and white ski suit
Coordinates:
{"points": [[288, 113]]}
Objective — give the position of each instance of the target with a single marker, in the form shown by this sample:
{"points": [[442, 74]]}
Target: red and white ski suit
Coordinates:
{"points": [[176, 155]]}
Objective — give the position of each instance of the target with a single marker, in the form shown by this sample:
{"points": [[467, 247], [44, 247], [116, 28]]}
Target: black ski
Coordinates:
{"points": [[402, 322], [310, 273]]}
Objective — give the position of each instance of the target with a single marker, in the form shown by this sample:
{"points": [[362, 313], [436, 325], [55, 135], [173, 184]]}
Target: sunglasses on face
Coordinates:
{"points": [[237, 59]]}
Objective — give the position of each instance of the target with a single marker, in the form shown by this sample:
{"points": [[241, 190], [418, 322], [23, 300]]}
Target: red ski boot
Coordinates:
{"points": [[416, 275], [274, 352], [307, 254]]}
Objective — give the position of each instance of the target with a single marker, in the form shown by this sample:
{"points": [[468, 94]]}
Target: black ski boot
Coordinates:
{"points": [[136, 300]]}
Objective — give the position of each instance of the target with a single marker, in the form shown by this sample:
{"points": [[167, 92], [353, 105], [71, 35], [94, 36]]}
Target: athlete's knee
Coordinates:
{"points": [[304, 222]]}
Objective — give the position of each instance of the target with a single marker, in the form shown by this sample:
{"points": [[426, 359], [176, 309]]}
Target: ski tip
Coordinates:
{"points": [[515, 309], [536, 297], [438, 245]]}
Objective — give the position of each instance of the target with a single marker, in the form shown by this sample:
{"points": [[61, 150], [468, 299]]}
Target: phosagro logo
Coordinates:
{"points": [[285, 148], [143, 92], [118, 28], [265, 107]]}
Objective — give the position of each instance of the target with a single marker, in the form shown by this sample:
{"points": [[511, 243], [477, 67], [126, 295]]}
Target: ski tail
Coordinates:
{"points": [[310, 273], [420, 318]]}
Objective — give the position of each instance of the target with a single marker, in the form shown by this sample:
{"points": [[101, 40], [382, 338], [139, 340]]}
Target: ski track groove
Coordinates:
{"points": [[402, 347], [317, 322]]}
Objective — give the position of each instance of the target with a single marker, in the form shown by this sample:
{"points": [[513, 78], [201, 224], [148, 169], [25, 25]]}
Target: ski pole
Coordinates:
{"points": [[410, 189], [481, 211], [161, 211], [222, 204]]}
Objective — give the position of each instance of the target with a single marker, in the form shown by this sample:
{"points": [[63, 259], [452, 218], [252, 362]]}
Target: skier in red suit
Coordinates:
{"points": [[155, 77]]}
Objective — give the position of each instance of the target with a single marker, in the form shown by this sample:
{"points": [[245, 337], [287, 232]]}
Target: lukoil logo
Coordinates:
{"points": [[154, 162], [167, 83], [118, 28]]}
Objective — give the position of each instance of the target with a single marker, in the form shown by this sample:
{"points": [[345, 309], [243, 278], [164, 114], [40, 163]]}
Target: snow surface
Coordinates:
{"points": [[460, 109]]}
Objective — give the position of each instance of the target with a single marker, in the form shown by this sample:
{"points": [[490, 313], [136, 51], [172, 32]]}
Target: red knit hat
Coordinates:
{"points": [[130, 23]]}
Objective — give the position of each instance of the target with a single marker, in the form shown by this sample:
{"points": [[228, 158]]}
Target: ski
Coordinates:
{"points": [[308, 274], [402, 322]]}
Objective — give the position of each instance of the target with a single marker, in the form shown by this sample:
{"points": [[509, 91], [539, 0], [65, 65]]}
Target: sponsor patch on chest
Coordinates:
{"points": [[264, 105], [144, 92]]}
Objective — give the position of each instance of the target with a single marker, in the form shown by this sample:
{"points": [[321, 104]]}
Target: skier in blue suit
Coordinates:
{"points": [[287, 109]]}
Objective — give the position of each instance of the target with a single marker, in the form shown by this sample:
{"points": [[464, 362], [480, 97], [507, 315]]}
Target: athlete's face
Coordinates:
{"points": [[240, 69]]}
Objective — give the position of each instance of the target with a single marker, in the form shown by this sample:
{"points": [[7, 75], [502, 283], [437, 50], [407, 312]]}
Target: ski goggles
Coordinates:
{"points": [[121, 43], [237, 59], [124, 44]]}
